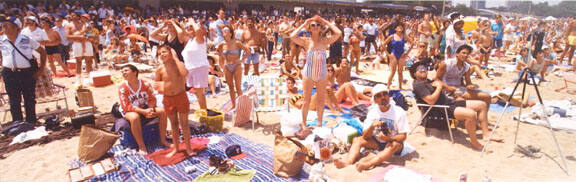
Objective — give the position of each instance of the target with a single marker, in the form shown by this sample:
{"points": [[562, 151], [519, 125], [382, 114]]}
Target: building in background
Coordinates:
{"points": [[478, 4]]}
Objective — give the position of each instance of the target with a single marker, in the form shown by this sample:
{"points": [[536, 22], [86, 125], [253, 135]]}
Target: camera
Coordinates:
{"points": [[384, 129]]}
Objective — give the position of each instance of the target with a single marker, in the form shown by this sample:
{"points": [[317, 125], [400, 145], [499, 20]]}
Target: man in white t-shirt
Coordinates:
{"points": [[385, 129]]}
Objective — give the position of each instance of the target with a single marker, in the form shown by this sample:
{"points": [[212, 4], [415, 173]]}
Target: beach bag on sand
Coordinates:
{"points": [[289, 156], [94, 143]]}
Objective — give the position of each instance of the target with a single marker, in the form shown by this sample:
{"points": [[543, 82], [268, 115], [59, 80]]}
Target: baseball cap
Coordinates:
{"points": [[33, 18], [235, 152], [4, 18], [378, 89]]}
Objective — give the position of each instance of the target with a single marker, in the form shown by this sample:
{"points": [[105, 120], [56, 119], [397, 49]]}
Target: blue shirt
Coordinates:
{"points": [[498, 28], [219, 30]]}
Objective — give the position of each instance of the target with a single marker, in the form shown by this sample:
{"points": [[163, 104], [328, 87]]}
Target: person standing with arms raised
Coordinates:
{"points": [[196, 60], [314, 72]]}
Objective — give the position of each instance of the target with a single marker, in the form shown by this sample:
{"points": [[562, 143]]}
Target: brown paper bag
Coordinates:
{"points": [[84, 97], [289, 156], [94, 143]]}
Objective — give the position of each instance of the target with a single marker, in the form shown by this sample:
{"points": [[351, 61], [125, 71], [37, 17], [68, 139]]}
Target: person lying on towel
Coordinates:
{"points": [[430, 92], [138, 106], [385, 129]]}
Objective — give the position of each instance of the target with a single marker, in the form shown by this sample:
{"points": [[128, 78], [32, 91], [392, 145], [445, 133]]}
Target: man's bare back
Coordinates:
{"points": [[53, 36]]}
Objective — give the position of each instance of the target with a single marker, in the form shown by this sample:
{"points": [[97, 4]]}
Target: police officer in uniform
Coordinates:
{"points": [[18, 76]]}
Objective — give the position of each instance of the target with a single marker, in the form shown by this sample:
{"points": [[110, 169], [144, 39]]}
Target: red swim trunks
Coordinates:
{"points": [[176, 103]]}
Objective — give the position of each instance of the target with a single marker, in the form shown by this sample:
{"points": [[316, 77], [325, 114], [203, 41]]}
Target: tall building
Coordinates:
{"points": [[478, 4]]}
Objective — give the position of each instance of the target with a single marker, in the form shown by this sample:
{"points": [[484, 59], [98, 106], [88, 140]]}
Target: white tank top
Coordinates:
{"points": [[195, 55], [453, 75]]}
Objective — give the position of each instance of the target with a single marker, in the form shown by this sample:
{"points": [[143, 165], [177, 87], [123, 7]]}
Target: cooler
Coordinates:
{"points": [[71, 64], [150, 134], [100, 78]]}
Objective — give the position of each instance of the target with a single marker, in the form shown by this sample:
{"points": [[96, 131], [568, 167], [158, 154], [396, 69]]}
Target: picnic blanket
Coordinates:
{"points": [[134, 167]]}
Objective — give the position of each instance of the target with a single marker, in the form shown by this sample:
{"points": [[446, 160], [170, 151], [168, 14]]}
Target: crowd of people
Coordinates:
{"points": [[321, 50]]}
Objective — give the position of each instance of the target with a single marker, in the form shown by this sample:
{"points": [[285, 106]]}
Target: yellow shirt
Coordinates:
{"points": [[433, 27]]}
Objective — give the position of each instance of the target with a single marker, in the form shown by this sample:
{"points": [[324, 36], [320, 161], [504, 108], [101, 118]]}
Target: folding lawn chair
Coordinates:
{"points": [[433, 115], [246, 107]]}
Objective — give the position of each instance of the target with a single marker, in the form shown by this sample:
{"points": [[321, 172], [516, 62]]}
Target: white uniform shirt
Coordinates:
{"points": [[10, 56]]}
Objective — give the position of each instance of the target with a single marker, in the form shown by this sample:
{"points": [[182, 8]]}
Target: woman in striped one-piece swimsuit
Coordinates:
{"points": [[314, 72]]}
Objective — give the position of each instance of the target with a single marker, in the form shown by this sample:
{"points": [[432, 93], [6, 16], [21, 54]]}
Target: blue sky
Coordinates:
{"points": [[497, 3]]}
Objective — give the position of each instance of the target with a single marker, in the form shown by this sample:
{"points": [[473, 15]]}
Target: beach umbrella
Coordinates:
{"points": [[470, 23], [550, 18], [138, 37]]}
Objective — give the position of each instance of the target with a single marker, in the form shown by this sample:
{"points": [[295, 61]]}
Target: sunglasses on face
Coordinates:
{"points": [[315, 25], [422, 69], [381, 94], [330, 70]]}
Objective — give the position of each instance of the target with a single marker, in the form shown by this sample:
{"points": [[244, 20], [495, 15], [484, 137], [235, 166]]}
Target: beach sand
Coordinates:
{"points": [[434, 155]]}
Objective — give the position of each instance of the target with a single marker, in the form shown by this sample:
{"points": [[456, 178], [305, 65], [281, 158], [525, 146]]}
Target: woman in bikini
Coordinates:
{"points": [[314, 71], [229, 53], [396, 54]]}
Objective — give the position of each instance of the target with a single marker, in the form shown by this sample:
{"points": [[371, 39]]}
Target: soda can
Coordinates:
{"points": [[463, 176]]}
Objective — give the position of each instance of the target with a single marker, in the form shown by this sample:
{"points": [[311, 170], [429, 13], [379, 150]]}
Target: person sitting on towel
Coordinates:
{"points": [[138, 106], [452, 71], [385, 129], [430, 92]]}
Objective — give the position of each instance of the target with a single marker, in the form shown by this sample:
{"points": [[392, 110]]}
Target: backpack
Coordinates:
{"points": [[399, 99]]}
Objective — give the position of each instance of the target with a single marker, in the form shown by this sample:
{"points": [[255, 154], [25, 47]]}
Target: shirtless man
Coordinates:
{"points": [[356, 51], [52, 46], [570, 37], [81, 46], [284, 31], [342, 73], [485, 45], [424, 28], [171, 80], [255, 40]]}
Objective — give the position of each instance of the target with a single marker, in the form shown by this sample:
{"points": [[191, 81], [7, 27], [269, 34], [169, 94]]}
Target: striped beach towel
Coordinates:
{"points": [[134, 167]]}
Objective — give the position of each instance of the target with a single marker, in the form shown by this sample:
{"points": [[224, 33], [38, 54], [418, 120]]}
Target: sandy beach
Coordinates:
{"points": [[434, 155]]}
